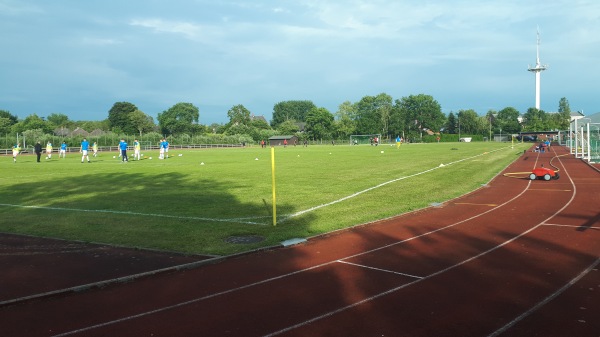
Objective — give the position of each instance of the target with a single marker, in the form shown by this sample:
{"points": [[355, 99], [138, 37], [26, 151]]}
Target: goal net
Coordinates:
{"points": [[373, 139]]}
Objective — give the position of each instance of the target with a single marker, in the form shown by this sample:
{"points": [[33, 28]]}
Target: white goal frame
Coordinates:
{"points": [[364, 139]]}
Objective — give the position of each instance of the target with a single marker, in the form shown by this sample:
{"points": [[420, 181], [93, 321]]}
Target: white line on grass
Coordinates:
{"points": [[229, 291], [499, 331], [286, 217], [244, 220], [134, 213]]}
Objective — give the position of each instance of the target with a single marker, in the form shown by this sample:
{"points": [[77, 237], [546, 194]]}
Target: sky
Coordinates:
{"points": [[79, 58]]}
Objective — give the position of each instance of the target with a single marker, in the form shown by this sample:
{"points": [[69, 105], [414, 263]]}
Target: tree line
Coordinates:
{"points": [[414, 117]]}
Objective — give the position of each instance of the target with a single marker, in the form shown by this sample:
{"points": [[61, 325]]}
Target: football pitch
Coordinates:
{"points": [[198, 199]]}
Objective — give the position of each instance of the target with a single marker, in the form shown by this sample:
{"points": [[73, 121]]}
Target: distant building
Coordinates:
{"points": [[259, 118], [576, 115], [80, 132], [594, 118], [96, 133], [62, 132]]}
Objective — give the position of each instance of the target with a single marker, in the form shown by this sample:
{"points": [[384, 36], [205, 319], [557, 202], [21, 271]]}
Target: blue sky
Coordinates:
{"points": [[80, 57]]}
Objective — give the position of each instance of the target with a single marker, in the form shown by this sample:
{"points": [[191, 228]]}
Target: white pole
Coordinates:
{"points": [[589, 156], [576, 141]]}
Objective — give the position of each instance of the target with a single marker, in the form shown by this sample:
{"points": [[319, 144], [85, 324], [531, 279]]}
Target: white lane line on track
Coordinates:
{"points": [[525, 314], [379, 269], [546, 300], [571, 226], [192, 301]]}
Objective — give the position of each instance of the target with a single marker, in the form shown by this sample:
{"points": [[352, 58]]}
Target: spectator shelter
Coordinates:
{"points": [[278, 140]]}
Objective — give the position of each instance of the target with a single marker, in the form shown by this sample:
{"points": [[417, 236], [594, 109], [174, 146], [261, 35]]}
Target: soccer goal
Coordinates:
{"points": [[146, 145], [373, 139]]}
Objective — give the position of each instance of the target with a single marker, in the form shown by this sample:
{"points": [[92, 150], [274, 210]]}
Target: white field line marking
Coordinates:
{"points": [[242, 220], [571, 226], [562, 289], [535, 307], [284, 218], [133, 213], [199, 299], [24, 252], [379, 269]]}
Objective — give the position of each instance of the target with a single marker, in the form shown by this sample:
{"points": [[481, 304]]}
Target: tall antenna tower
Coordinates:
{"points": [[537, 70]]}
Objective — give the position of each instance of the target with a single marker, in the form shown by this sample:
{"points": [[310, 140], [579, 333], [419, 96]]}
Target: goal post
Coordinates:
{"points": [[365, 139]]}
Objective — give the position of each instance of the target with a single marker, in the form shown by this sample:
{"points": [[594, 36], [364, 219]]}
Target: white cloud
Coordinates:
{"points": [[186, 29], [100, 41], [257, 53], [10, 7]]}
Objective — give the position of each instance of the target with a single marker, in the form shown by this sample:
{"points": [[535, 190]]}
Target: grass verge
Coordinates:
{"points": [[195, 200]]}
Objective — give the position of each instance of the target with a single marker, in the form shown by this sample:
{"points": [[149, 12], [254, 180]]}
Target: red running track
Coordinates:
{"points": [[514, 258]]}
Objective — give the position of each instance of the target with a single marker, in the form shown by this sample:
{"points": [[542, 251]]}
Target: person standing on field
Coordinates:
{"points": [[85, 146], [166, 145], [136, 150], [49, 150], [95, 149], [16, 150], [123, 148], [161, 149], [398, 141], [37, 148], [63, 150]]}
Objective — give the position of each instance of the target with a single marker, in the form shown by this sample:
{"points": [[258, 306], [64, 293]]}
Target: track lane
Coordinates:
{"points": [[344, 282]]}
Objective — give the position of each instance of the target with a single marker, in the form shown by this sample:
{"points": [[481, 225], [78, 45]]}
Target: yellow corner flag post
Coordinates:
{"points": [[273, 181]]}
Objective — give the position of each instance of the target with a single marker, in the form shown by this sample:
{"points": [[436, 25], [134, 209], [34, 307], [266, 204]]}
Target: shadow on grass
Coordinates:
{"points": [[164, 211]]}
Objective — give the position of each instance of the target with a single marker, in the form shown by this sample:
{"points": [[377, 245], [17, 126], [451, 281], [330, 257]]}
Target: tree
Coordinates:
{"points": [[397, 122], [344, 124], [141, 121], [373, 113], [5, 125], [259, 123], [93, 125], [58, 120], [179, 118], [420, 112], [12, 118], [491, 118], [482, 126], [451, 124], [32, 122], [319, 122], [7, 120], [119, 117], [507, 120], [239, 115], [468, 121], [33, 135], [291, 110], [564, 112], [535, 120], [288, 127]]}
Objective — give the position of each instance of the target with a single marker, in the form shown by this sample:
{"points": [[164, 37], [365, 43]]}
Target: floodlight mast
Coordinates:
{"points": [[539, 67]]}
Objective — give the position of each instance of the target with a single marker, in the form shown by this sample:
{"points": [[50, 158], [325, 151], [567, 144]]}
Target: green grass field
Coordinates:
{"points": [[178, 204]]}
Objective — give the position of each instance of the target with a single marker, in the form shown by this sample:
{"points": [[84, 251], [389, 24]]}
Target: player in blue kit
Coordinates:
{"points": [[63, 150], [85, 146], [123, 148]]}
